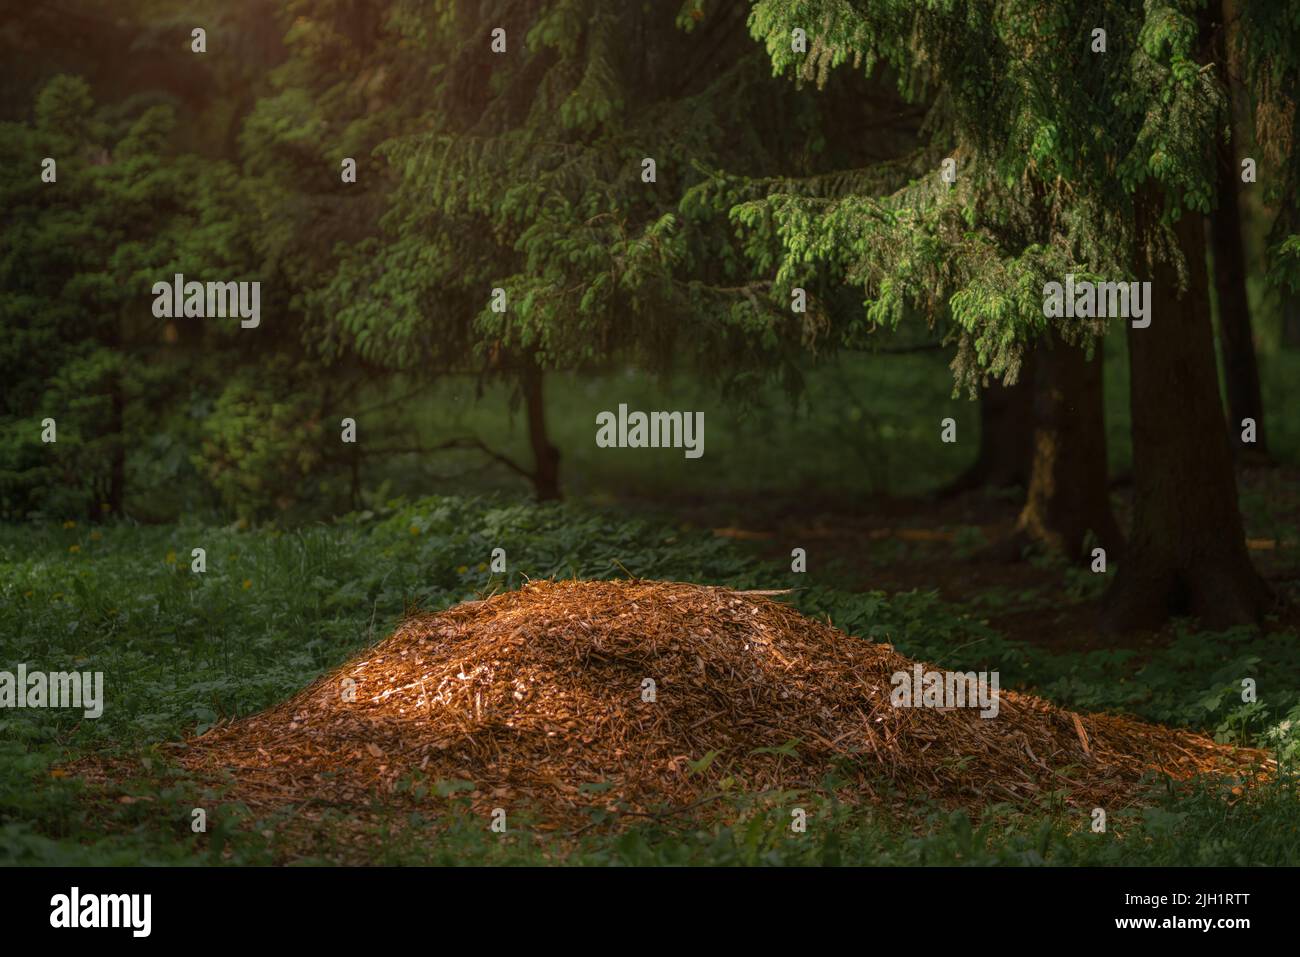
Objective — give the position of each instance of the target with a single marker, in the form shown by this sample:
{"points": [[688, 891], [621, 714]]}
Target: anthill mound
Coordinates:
{"points": [[535, 693]]}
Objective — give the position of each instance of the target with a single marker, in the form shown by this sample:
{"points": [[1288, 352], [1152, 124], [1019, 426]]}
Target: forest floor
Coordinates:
{"points": [[278, 608], [945, 544]]}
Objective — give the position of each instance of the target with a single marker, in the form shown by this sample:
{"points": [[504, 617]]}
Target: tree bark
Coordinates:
{"points": [[1006, 445], [1068, 493], [1187, 551], [546, 457], [1240, 367]]}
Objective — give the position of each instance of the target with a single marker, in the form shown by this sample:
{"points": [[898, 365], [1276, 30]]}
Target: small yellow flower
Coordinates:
{"points": [[95, 535], [58, 773], [69, 524], [74, 549], [171, 558], [415, 529], [462, 569], [248, 583], [28, 594], [482, 566]]}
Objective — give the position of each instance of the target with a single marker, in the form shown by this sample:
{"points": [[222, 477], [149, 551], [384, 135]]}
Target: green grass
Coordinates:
{"points": [[275, 609]]}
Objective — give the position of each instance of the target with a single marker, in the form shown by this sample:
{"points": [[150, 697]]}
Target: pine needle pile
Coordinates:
{"points": [[537, 697]]}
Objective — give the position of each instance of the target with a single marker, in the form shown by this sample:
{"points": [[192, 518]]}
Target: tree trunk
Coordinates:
{"points": [[1187, 552], [1068, 487], [546, 457], [1006, 445], [1240, 368]]}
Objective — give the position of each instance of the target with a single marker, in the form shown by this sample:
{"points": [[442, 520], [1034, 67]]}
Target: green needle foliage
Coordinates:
{"points": [[1051, 141], [523, 171]]}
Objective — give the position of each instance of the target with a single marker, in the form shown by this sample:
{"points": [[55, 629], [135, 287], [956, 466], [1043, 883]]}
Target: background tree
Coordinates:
{"points": [[80, 257], [1006, 450], [526, 171], [1236, 335]]}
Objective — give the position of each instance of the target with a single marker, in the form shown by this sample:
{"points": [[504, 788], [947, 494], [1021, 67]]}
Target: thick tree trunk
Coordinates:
{"points": [[1240, 368], [1068, 488], [1006, 444], [546, 457], [1187, 553]]}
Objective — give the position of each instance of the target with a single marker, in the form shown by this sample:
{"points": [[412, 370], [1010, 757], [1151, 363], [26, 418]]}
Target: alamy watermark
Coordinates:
{"points": [[59, 689], [1098, 300], [653, 430], [919, 688], [212, 300], [75, 909]]}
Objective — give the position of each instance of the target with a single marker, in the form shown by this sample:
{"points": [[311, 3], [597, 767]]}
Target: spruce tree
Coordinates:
{"points": [[1074, 151], [550, 195]]}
